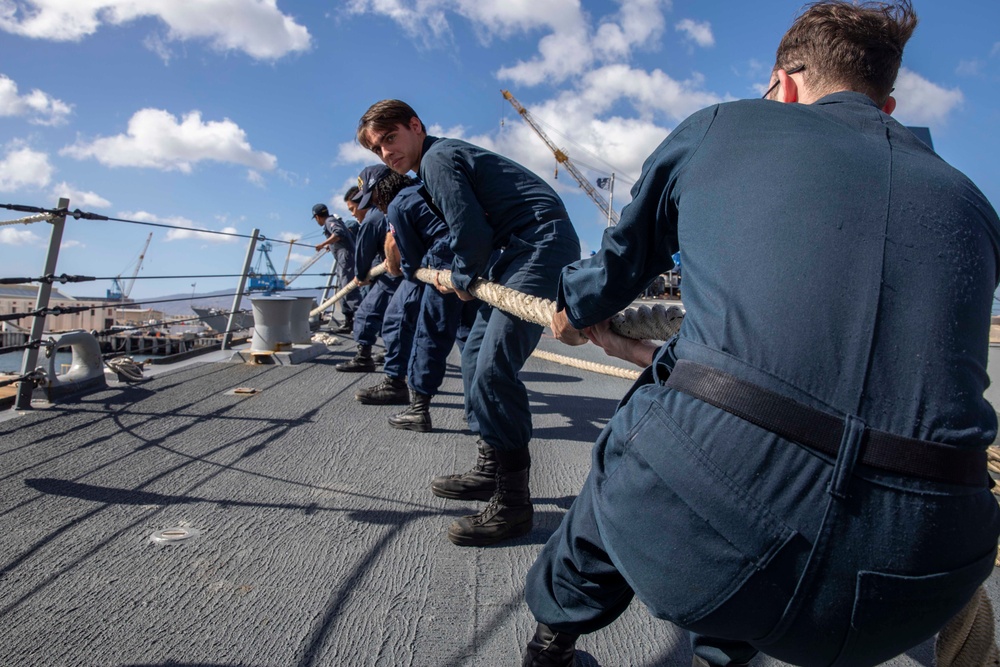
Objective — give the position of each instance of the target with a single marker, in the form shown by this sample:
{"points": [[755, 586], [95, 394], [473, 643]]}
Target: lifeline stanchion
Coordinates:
{"points": [[30, 358], [227, 338]]}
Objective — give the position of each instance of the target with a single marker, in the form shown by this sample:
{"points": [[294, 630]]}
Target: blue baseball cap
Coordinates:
{"points": [[320, 209], [367, 180]]}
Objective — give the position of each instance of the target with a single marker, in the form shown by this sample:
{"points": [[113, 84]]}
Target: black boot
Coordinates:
{"points": [[480, 483], [508, 515], [417, 417], [361, 363], [390, 391], [549, 648], [379, 357], [348, 325]]}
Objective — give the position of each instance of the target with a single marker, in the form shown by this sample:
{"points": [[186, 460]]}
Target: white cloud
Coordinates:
{"points": [[921, 102], [72, 243], [190, 229], [969, 67], [254, 177], [255, 27], [156, 139], [40, 108], [699, 33], [15, 236], [570, 44], [82, 199], [22, 167]]}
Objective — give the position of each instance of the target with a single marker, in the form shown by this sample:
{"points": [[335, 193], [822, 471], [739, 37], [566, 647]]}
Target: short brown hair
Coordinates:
{"points": [[841, 43], [351, 191], [384, 116], [387, 189]]}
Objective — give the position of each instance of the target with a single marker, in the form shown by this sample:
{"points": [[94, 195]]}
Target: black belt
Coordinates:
{"points": [[823, 432]]}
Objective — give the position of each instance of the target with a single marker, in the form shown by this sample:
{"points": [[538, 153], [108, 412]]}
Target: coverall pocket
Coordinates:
{"points": [[683, 534], [893, 612]]}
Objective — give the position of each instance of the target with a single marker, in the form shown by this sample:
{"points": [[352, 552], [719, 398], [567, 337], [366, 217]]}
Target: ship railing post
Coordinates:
{"points": [[227, 338], [30, 358], [329, 280]]}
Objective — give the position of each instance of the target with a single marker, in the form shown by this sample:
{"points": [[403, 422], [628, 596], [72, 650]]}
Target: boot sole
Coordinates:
{"points": [[376, 401], [452, 495], [420, 428], [356, 370], [473, 541]]}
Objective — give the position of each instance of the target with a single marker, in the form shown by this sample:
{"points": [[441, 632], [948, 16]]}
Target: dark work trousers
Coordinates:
{"points": [[727, 530], [368, 318], [399, 326], [470, 309], [499, 344], [345, 274], [437, 324]]}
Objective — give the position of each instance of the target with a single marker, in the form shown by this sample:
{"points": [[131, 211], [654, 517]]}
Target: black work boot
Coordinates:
{"points": [[478, 484], [508, 515], [417, 417], [390, 391], [379, 357], [347, 327], [549, 648], [361, 363]]}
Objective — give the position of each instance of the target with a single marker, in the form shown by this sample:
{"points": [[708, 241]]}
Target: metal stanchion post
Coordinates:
{"points": [[227, 338], [30, 358]]}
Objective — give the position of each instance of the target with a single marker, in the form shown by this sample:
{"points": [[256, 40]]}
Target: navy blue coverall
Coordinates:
{"points": [[370, 252], [423, 242], [343, 252], [830, 257], [490, 202]]}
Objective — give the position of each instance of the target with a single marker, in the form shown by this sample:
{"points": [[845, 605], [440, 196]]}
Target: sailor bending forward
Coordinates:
{"points": [[488, 202], [801, 471]]}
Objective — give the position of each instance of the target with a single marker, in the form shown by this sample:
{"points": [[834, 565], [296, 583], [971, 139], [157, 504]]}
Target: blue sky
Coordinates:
{"points": [[236, 114]]}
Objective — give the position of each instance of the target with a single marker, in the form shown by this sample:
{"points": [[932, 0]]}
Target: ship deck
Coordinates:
{"points": [[315, 539]]}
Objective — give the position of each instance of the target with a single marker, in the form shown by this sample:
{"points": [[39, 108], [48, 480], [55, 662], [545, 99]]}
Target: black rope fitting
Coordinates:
{"points": [[64, 278]]}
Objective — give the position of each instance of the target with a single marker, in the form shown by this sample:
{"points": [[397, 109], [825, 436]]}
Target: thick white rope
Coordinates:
{"points": [[606, 369], [127, 367], [643, 323], [968, 639], [41, 217], [374, 272]]}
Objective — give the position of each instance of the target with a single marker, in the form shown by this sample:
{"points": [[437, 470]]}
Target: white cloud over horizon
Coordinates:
{"points": [[83, 199], [12, 235], [38, 107], [255, 27], [921, 102], [699, 33], [155, 139], [24, 167]]}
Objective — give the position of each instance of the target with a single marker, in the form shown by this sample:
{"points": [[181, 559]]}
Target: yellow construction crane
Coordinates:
{"points": [[563, 159]]}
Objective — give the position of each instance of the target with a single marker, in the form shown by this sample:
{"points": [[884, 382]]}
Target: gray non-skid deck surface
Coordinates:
{"points": [[320, 543]]}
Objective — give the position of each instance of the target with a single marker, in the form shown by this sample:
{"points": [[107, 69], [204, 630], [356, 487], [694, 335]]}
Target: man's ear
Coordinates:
{"points": [[415, 124], [788, 91], [890, 105]]}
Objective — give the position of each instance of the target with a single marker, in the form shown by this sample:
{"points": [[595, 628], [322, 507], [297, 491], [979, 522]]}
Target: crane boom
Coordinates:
{"points": [[138, 265], [564, 160]]}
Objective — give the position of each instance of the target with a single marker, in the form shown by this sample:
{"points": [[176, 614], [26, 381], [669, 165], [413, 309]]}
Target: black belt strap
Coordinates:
{"points": [[823, 431]]}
